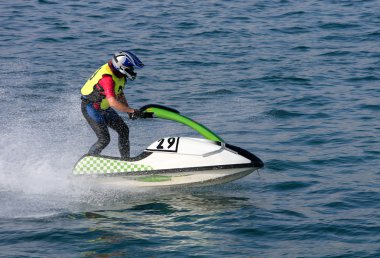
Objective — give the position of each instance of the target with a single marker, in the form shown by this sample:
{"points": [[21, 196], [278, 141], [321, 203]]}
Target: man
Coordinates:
{"points": [[103, 93]]}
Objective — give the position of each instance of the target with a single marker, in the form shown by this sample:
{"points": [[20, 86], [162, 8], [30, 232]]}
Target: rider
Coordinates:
{"points": [[102, 93]]}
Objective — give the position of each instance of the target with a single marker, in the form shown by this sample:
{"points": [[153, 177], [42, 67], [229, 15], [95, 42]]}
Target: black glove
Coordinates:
{"points": [[137, 114]]}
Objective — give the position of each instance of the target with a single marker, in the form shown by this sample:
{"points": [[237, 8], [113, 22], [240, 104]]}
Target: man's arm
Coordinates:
{"points": [[120, 105]]}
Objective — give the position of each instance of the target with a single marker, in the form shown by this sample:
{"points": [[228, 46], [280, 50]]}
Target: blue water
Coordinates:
{"points": [[295, 82]]}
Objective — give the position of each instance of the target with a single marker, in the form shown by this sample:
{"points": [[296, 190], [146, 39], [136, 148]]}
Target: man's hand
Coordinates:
{"points": [[137, 114]]}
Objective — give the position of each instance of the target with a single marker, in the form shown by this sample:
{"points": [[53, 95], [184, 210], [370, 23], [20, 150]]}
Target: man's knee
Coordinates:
{"points": [[104, 140], [122, 129]]}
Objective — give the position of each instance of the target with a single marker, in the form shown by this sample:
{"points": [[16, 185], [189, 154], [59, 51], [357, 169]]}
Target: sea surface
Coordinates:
{"points": [[297, 83]]}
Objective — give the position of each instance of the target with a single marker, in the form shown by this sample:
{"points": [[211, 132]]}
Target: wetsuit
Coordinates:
{"points": [[97, 112]]}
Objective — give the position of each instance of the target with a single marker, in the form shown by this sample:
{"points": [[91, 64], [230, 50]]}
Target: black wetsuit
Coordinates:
{"points": [[99, 121]]}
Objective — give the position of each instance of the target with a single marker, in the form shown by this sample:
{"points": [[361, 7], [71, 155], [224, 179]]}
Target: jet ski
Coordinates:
{"points": [[172, 161]]}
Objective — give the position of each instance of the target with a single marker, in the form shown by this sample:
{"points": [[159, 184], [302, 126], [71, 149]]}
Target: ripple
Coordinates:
{"points": [[283, 114], [292, 14], [368, 198], [339, 205], [290, 213], [154, 208], [310, 100], [291, 30], [281, 165], [337, 53], [364, 78], [48, 40], [187, 25], [339, 159], [249, 232], [220, 92], [291, 185], [291, 79], [46, 2], [214, 33], [372, 107], [301, 48], [374, 34], [338, 26]]}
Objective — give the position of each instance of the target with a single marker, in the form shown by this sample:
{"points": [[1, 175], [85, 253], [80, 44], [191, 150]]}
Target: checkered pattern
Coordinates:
{"points": [[100, 165]]}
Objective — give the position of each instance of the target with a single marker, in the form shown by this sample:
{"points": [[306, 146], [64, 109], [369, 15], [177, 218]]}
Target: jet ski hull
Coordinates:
{"points": [[174, 179], [173, 161]]}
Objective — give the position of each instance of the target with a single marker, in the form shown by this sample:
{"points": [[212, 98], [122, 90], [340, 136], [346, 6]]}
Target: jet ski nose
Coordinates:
{"points": [[257, 162]]}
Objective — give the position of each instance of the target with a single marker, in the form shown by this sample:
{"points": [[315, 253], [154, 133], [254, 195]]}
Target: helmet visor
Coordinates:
{"points": [[129, 71]]}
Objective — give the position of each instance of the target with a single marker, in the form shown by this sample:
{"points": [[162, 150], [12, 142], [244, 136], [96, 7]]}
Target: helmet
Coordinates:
{"points": [[125, 62]]}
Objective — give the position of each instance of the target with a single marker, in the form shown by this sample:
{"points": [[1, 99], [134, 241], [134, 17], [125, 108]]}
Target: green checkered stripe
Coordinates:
{"points": [[99, 165]]}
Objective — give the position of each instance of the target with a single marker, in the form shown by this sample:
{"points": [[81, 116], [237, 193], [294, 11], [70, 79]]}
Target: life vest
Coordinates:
{"points": [[93, 91]]}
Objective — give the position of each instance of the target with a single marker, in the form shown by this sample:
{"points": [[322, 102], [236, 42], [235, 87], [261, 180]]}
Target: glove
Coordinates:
{"points": [[137, 114]]}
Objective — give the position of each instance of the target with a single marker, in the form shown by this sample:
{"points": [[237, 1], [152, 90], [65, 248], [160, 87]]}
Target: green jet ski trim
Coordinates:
{"points": [[172, 114], [154, 178], [103, 165]]}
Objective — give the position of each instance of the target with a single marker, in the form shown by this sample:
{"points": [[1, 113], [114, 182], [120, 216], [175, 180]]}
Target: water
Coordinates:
{"points": [[296, 83]]}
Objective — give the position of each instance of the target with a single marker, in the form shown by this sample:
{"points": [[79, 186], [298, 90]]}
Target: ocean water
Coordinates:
{"points": [[294, 82]]}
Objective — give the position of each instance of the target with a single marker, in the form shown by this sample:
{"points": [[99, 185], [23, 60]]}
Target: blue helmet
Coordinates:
{"points": [[125, 62]]}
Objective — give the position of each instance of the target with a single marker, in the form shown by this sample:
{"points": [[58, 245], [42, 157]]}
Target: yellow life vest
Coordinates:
{"points": [[88, 88]]}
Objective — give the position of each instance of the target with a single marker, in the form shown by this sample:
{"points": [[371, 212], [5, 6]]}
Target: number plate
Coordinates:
{"points": [[165, 144]]}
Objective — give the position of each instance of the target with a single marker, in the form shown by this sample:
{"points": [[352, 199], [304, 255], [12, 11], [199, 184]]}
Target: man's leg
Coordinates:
{"points": [[114, 121], [97, 123]]}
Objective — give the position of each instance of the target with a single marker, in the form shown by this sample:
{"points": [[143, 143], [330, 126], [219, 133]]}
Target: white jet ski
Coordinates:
{"points": [[173, 161]]}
